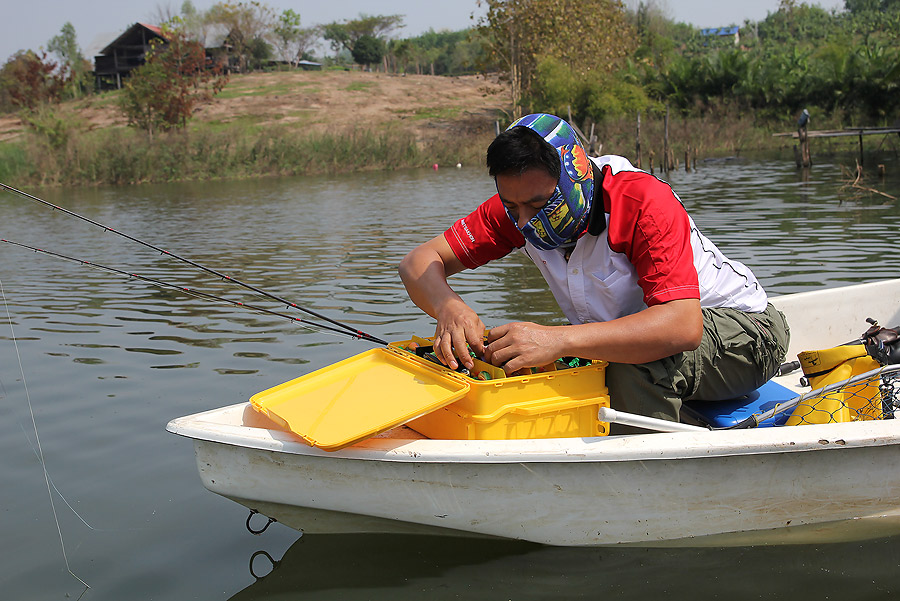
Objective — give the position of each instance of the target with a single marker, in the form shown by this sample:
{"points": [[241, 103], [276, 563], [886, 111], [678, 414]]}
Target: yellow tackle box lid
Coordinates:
{"points": [[349, 401]]}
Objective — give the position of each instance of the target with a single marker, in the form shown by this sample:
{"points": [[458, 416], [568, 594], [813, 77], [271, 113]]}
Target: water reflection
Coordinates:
{"points": [[418, 567]]}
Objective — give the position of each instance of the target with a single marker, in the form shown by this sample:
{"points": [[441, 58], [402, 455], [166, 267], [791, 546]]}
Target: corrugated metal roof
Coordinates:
{"points": [[720, 30], [154, 29]]}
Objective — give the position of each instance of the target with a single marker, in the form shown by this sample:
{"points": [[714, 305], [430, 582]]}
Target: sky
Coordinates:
{"points": [[30, 24]]}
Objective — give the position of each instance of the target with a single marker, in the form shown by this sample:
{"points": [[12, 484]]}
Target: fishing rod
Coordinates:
{"points": [[355, 332], [183, 289]]}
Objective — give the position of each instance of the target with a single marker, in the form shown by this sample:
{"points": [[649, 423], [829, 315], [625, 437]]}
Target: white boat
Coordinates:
{"points": [[784, 484]]}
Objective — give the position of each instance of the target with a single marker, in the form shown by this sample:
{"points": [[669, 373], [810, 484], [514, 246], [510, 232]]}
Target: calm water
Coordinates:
{"points": [[108, 361]]}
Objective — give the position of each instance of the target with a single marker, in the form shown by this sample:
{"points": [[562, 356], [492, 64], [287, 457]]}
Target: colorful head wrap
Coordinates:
{"points": [[565, 217]]}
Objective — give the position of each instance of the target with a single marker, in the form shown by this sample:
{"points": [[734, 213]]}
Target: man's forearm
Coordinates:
{"points": [[657, 332], [425, 278]]}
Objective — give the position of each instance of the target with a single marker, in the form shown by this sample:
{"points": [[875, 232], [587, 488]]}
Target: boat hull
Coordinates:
{"points": [[827, 482]]}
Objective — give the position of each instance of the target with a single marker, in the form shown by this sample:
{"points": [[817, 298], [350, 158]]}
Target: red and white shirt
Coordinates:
{"points": [[651, 252]]}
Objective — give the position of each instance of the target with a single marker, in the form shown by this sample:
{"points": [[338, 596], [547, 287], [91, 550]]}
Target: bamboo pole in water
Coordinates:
{"points": [[860, 149], [803, 137]]}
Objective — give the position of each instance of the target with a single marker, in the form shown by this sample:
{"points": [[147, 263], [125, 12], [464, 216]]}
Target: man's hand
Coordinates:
{"points": [[523, 344], [651, 334], [458, 324]]}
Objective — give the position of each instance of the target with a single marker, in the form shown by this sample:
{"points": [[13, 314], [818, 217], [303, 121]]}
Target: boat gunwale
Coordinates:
{"points": [[640, 447]]}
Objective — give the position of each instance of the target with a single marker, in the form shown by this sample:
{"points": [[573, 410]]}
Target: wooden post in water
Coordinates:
{"points": [[687, 159], [665, 164], [594, 145], [860, 148], [637, 141], [805, 160], [650, 161]]}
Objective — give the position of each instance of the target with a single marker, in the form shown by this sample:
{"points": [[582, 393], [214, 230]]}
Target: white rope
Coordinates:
{"points": [[37, 439]]}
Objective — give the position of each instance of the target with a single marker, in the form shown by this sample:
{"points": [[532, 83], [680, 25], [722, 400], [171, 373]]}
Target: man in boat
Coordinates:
{"points": [[642, 288]]}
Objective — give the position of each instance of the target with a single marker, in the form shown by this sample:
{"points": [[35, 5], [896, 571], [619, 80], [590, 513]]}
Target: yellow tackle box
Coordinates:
{"points": [[553, 404], [382, 388]]}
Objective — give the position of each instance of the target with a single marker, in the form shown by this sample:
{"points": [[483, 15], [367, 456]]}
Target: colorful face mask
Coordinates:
{"points": [[565, 217]]}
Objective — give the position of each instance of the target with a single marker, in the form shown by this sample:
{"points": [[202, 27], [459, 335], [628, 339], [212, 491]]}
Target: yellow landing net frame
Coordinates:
{"points": [[844, 397]]}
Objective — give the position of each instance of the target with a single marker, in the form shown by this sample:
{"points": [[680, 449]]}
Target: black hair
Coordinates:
{"points": [[519, 149]]}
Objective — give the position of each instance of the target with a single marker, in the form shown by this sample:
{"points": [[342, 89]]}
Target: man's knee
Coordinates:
{"points": [[653, 389]]}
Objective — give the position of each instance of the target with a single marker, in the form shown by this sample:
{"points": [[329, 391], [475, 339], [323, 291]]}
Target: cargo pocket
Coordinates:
{"points": [[773, 340]]}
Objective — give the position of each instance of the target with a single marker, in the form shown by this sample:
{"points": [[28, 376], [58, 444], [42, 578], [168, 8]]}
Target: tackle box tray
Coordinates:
{"points": [[356, 398]]}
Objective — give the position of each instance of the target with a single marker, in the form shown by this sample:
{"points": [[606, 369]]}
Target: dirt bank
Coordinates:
{"points": [[320, 101]]}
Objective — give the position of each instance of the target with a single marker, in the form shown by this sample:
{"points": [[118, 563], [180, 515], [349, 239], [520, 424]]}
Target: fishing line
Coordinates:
{"points": [[355, 332], [37, 438], [66, 501], [310, 325], [52, 483]]}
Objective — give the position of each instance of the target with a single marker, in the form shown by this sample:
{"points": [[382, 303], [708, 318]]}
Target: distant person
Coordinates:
{"points": [[641, 286]]}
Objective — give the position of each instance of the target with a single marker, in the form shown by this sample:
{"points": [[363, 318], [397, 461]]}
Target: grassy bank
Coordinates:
{"points": [[720, 133], [124, 156]]}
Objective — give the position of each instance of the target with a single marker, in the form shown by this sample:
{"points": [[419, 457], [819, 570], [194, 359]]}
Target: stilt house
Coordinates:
{"points": [[126, 52]]}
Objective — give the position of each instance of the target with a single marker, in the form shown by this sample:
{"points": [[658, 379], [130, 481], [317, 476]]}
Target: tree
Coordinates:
{"points": [[587, 36], [399, 53], [794, 22], [191, 22], [864, 6], [162, 93], [286, 31], [292, 41], [163, 13], [345, 35], [368, 50], [73, 66], [248, 23], [29, 80]]}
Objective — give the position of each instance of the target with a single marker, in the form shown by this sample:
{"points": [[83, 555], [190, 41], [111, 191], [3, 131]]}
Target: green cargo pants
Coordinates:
{"points": [[738, 353]]}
